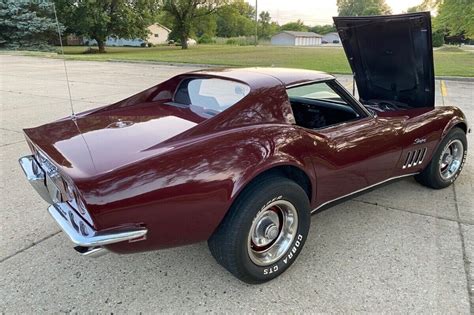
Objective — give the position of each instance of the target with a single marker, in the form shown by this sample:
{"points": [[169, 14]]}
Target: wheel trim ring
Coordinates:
{"points": [[287, 233], [454, 150]]}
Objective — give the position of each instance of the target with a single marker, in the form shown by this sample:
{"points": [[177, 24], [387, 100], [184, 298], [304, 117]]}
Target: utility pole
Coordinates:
{"points": [[256, 23]]}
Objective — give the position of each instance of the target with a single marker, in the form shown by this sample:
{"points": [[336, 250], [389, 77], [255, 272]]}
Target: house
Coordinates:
{"points": [[331, 38], [158, 35], [292, 38]]}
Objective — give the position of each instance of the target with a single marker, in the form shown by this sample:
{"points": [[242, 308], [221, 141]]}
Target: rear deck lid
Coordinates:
{"points": [[391, 57]]}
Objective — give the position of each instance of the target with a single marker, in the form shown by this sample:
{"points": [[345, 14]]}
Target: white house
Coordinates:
{"points": [[292, 38], [158, 35], [331, 38]]}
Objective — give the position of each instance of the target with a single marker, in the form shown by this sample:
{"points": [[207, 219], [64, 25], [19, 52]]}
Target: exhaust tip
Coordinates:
{"points": [[92, 252]]}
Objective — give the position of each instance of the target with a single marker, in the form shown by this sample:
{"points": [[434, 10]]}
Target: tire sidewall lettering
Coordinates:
{"points": [[289, 256]]}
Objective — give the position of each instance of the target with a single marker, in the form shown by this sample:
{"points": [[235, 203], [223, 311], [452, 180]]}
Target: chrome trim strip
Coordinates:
{"points": [[422, 157], [82, 234], [405, 165], [330, 77], [360, 190], [413, 158], [36, 176]]}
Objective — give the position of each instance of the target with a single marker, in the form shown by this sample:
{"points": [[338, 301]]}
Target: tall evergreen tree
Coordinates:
{"points": [[27, 25]]}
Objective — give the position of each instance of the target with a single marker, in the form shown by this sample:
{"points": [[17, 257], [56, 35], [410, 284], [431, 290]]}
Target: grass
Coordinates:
{"points": [[448, 62]]}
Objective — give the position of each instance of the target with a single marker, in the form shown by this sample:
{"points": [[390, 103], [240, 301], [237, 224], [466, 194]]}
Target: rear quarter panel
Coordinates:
{"points": [[182, 194]]}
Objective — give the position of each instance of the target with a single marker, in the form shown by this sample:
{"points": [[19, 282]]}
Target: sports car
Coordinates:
{"points": [[242, 157]]}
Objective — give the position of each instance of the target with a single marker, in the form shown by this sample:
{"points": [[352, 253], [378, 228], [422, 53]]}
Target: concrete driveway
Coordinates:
{"points": [[400, 248]]}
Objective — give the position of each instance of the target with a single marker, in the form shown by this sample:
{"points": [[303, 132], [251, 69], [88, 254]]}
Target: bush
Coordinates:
{"points": [[206, 39], [150, 45], [241, 41], [438, 39], [231, 41]]}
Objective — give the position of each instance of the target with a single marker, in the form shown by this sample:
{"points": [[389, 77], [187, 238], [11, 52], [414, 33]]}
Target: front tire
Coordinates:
{"points": [[447, 162], [264, 230]]}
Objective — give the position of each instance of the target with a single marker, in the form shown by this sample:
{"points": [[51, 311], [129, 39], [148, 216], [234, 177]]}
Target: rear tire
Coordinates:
{"points": [[447, 161], [263, 231]]}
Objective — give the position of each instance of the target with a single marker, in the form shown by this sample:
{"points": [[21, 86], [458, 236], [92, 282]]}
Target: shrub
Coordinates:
{"points": [[438, 39], [241, 41], [150, 45], [206, 39]]}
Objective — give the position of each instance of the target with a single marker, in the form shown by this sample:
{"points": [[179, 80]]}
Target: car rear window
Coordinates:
{"points": [[210, 95]]}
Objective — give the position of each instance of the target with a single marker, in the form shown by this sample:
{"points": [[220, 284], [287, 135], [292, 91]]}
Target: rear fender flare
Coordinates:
{"points": [[246, 179]]}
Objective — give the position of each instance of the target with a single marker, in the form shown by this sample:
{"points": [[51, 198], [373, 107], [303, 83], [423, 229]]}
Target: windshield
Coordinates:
{"points": [[210, 95]]}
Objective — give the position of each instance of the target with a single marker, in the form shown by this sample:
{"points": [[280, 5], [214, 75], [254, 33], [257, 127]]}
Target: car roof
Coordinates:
{"points": [[261, 76]]}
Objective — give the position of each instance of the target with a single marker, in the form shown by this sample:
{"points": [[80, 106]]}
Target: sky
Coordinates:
{"points": [[315, 12]]}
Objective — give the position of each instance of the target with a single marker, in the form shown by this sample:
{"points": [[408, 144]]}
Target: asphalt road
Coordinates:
{"points": [[400, 248]]}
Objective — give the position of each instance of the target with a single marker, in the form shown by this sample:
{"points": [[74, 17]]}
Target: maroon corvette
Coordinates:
{"points": [[242, 157]]}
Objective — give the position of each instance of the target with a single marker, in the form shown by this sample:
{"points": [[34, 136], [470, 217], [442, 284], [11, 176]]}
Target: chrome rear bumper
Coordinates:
{"points": [[36, 176], [88, 241], [81, 234]]}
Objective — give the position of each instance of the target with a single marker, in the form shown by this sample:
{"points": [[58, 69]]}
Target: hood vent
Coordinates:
{"points": [[414, 158]]}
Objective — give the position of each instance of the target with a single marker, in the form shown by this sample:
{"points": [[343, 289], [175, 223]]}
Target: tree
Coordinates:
{"points": [[186, 12], [438, 39], [456, 17], [27, 24], [205, 26], [362, 7], [99, 19], [294, 26], [266, 28], [235, 19], [323, 29]]}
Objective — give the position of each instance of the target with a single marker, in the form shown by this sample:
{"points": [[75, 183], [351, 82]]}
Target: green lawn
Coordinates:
{"points": [[449, 61]]}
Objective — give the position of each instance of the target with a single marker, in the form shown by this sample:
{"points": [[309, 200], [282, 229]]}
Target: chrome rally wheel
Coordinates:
{"points": [[447, 161], [451, 159], [264, 231], [272, 232]]}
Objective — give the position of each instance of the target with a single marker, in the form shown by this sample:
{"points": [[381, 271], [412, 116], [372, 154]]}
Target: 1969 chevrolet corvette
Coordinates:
{"points": [[242, 157]]}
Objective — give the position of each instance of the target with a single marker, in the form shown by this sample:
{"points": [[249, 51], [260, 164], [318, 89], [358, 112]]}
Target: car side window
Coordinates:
{"points": [[316, 91], [318, 105]]}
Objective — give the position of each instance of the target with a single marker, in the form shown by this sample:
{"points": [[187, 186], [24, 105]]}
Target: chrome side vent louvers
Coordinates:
{"points": [[414, 158]]}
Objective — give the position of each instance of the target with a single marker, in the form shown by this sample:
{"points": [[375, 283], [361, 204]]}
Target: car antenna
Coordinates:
{"points": [[73, 115]]}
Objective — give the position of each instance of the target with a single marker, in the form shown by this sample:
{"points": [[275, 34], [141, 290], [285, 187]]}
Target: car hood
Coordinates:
{"points": [[391, 57], [101, 142]]}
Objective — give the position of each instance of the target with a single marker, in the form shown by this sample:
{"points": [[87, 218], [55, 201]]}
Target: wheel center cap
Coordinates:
{"points": [[271, 232]]}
